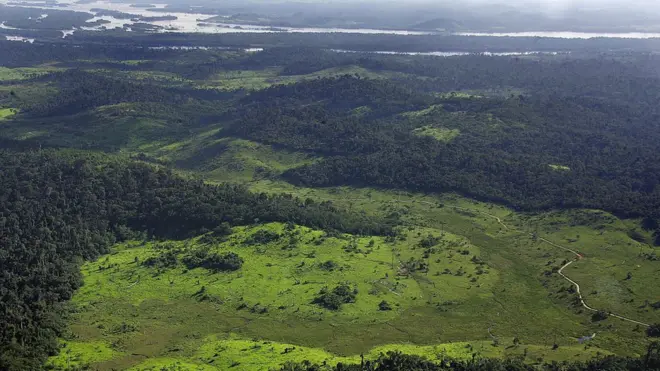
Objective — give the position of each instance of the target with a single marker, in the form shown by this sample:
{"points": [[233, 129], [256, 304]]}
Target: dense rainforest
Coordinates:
{"points": [[372, 43], [596, 117], [60, 208]]}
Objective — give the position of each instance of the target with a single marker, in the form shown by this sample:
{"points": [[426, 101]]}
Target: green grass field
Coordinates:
{"points": [[167, 324], [13, 74], [6, 113], [131, 316]]}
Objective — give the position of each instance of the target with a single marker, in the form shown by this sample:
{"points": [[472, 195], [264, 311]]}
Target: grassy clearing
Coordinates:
{"points": [[460, 95], [10, 74], [423, 112], [226, 159], [261, 79], [249, 80], [438, 133], [6, 113], [217, 353], [616, 270], [610, 254], [13, 74], [133, 316], [31, 92], [249, 318], [165, 78], [559, 167], [351, 70], [249, 160], [74, 353], [285, 276], [271, 296]]}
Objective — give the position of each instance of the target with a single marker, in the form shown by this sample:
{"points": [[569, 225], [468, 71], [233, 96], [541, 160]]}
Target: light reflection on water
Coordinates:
{"points": [[189, 22], [567, 34]]}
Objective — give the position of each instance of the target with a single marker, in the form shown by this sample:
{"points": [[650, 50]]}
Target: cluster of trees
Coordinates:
{"points": [[366, 42], [195, 258], [57, 208], [654, 331], [213, 261], [338, 296]]}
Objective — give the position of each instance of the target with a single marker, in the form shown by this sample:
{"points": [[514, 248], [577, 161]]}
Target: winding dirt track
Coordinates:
{"points": [[578, 257]]}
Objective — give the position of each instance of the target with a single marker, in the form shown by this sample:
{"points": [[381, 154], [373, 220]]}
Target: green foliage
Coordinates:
{"points": [[383, 305], [212, 261], [397, 361], [599, 316], [429, 241], [6, 113], [328, 266], [653, 330], [441, 134], [575, 134], [82, 90], [335, 298], [263, 237], [59, 208], [166, 259]]}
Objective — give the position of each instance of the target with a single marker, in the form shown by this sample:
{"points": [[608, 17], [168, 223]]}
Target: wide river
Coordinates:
{"points": [[196, 22], [567, 34]]}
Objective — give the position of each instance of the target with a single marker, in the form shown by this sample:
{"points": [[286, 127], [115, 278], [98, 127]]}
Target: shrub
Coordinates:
{"points": [[212, 261], [328, 266], [599, 316], [384, 306], [262, 237], [167, 259], [429, 241], [653, 330], [334, 299]]}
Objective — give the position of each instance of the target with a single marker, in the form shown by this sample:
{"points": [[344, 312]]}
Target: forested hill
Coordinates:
{"points": [[531, 132], [528, 153], [58, 208], [535, 151]]}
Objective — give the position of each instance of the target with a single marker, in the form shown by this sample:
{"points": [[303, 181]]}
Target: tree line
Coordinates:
{"points": [[397, 361]]}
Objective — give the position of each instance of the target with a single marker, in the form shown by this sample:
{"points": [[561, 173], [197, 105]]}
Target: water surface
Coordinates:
{"points": [[566, 34]]}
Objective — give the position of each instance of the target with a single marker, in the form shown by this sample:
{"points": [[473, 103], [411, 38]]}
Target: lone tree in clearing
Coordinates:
{"points": [[653, 330], [334, 299], [384, 306], [599, 316]]}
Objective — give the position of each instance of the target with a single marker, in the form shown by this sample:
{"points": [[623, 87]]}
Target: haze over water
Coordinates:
{"points": [[188, 22]]}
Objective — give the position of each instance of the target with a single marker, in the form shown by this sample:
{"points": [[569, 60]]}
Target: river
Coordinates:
{"points": [[186, 22], [567, 34], [197, 22]]}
